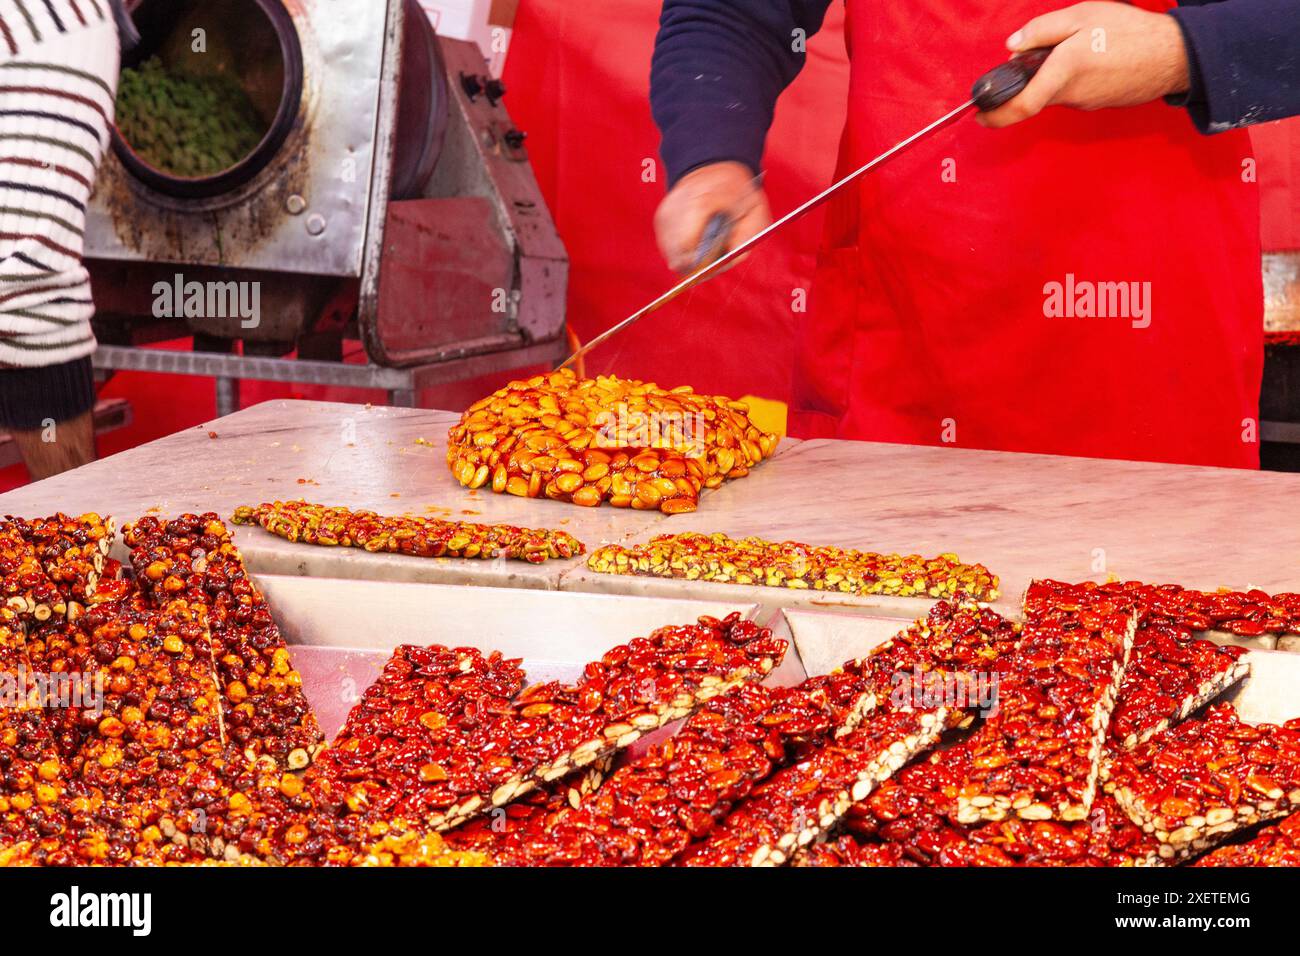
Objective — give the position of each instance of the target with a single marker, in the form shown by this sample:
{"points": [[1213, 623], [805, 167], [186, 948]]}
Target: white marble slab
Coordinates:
{"points": [[1023, 516], [1269, 694], [825, 641]]}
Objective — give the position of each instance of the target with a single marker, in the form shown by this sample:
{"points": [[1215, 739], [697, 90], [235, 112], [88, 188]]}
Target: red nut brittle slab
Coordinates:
{"points": [[1170, 676], [588, 441], [916, 811], [789, 564], [1249, 613], [263, 705], [408, 747], [415, 536], [652, 807], [802, 802], [1272, 846], [1039, 756], [632, 690], [451, 773], [952, 658], [1205, 778]]}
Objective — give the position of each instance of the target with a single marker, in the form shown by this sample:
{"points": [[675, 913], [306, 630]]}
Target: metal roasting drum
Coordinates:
{"points": [[390, 199]]}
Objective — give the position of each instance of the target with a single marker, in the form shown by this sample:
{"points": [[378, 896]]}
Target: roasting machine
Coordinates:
{"points": [[387, 224]]}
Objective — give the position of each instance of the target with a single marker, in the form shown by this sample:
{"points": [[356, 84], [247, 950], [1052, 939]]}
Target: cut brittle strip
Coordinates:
{"points": [[1170, 676], [33, 778], [953, 657], [408, 747], [916, 812], [1249, 613], [1039, 757], [1203, 779], [1170, 673], [415, 536], [264, 708], [789, 564], [804, 801], [553, 729], [1272, 846], [652, 807], [632, 690]]}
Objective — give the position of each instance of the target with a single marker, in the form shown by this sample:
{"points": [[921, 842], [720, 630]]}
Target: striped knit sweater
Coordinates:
{"points": [[58, 75]]}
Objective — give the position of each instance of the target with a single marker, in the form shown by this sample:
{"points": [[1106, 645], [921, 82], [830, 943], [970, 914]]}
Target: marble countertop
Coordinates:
{"points": [[1023, 516]]}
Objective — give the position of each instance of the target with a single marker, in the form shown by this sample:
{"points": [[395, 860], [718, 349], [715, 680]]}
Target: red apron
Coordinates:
{"points": [[1079, 284]]}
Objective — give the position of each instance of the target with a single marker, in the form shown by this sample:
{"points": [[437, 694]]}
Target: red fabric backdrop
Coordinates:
{"points": [[578, 76]]}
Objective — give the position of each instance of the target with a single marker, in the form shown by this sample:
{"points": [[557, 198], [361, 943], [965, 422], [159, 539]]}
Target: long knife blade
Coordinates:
{"points": [[717, 265], [994, 88]]}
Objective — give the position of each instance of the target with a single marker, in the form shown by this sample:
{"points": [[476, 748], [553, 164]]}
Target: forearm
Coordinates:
{"points": [[718, 68], [1244, 61]]}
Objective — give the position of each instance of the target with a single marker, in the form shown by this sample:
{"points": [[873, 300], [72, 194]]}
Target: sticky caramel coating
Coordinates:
{"points": [[653, 806], [587, 441]]}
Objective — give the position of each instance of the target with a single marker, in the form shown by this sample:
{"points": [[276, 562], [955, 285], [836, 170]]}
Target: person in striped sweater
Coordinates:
{"points": [[58, 76]]}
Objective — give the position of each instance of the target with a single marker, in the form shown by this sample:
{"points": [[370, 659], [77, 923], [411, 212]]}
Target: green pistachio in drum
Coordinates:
{"points": [[186, 124]]}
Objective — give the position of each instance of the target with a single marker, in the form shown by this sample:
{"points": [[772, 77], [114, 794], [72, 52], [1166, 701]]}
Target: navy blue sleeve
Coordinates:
{"points": [[718, 68], [1244, 59]]}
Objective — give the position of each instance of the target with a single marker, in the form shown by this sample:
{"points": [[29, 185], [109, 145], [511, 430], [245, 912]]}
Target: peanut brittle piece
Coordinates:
{"points": [[1170, 676], [652, 807], [1205, 778], [1039, 756]]}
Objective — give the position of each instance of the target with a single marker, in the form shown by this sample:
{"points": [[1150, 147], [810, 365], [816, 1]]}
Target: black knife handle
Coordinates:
{"points": [[713, 243], [1003, 83]]}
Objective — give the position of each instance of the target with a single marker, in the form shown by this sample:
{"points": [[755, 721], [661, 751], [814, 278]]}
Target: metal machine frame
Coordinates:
{"points": [[300, 217]]}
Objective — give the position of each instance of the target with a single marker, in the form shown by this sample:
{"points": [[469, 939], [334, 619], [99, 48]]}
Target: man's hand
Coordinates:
{"points": [[697, 197], [1107, 54]]}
